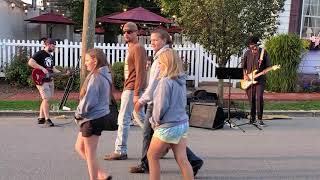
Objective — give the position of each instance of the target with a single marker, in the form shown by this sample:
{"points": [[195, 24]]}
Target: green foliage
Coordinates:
{"points": [[118, 75], [60, 82], [223, 26], [306, 43], [18, 72], [285, 50]]}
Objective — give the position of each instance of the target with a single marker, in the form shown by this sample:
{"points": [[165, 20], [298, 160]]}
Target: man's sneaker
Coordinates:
{"points": [[41, 120], [115, 156], [138, 169], [253, 121], [196, 165], [261, 123], [48, 123]]}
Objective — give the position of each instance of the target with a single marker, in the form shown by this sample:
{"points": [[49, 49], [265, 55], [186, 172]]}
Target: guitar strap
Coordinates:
{"points": [[261, 57]]}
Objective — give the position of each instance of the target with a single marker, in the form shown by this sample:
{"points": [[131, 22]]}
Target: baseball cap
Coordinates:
{"points": [[130, 26], [50, 41]]}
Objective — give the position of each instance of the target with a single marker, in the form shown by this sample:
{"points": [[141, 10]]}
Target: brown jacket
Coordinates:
{"points": [[137, 59]]}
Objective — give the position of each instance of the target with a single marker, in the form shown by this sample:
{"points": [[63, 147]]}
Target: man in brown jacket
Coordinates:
{"points": [[135, 83]]}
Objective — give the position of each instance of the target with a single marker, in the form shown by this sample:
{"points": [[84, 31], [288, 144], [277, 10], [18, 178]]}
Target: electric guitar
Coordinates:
{"points": [[245, 84], [38, 76]]}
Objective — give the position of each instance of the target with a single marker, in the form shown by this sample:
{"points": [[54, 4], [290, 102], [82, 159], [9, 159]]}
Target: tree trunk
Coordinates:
{"points": [[88, 32], [220, 92]]}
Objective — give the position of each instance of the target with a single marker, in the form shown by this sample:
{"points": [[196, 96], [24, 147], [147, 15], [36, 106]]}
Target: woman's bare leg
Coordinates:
{"points": [[179, 151], [155, 152]]}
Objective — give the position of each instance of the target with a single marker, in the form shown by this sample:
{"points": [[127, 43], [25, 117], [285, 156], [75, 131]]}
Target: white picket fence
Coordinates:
{"points": [[201, 63]]}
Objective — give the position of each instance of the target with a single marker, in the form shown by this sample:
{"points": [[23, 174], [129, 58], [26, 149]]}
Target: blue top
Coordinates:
{"points": [[95, 103], [153, 79], [169, 103]]}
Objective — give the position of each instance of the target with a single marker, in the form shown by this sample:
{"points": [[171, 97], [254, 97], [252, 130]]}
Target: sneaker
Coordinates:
{"points": [[253, 121], [115, 156], [261, 123], [138, 169], [48, 123], [196, 166], [41, 120]]}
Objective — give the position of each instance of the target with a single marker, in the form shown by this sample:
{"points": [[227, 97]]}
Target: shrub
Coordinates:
{"points": [[285, 50], [118, 75], [18, 72], [60, 82]]}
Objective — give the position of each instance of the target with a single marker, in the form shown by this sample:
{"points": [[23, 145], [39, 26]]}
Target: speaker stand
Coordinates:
{"points": [[231, 123]]}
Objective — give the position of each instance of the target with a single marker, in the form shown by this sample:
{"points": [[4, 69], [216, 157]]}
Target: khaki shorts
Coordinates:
{"points": [[46, 90]]}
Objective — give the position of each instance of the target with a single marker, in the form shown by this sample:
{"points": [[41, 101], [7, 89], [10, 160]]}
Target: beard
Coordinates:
{"points": [[50, 50]]}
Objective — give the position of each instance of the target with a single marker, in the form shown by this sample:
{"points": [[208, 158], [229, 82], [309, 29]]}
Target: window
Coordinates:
{"points": [[310, 22]]}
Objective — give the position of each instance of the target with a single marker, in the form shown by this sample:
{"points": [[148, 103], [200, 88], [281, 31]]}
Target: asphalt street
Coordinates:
{"points": [[285, 149]]}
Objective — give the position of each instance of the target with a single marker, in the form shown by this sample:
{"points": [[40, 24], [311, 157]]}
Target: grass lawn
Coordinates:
{"points": [[269, 105], [32, 105], [283, 105]]}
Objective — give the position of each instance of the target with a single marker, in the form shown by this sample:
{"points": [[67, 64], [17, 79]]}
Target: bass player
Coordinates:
{"points": [[255, 58], [43, 60]]}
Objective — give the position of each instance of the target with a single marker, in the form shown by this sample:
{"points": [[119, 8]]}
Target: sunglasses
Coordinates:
{"points": [[128, 32]]}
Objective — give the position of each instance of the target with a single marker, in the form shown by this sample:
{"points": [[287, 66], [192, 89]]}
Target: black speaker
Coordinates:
{"points": [[206, 115]]}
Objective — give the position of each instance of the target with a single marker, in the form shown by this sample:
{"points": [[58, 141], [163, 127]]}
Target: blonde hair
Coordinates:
{"points": [[101, 59], [172, 63]]}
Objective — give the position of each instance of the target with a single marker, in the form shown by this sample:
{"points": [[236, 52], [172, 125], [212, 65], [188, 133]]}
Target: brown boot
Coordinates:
{"points": [[138, 169], [115, 156]]}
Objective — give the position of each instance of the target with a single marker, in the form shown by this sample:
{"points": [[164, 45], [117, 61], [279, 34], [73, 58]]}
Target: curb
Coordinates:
{"points": [[313, 113]]}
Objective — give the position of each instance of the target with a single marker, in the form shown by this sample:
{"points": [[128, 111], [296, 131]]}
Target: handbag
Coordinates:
{"points": [[111, 119]]}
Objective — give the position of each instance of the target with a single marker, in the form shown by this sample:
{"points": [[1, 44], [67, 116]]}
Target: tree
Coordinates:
{"points": [[223, 26]]}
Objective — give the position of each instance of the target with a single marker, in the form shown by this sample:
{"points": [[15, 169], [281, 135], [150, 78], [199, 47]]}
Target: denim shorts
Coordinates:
{"points": [[172, 135]]}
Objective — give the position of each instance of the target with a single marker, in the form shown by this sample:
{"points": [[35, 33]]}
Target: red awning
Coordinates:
{"points": [[99, 30], [51, 18], [106, 19], [140, 15], [174, 29]]}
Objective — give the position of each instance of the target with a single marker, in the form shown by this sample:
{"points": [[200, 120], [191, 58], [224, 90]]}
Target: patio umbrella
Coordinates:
{"points": [[51, 18], [140, 15], [174, 29], [99, 30], [106, 19]]}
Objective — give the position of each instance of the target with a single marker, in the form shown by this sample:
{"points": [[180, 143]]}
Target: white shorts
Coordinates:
{"points": [[46, 90]]}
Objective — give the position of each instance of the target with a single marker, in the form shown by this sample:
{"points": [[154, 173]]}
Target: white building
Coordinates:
{"points": [[13, 14]]}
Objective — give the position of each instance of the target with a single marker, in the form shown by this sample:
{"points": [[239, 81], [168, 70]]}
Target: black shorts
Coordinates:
{"points": [[93, 127]]}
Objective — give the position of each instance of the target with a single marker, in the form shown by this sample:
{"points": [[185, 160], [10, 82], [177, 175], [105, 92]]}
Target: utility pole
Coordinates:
{"points": [[88, 32]]}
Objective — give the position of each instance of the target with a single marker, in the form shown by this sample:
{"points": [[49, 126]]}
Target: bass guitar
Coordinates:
{"points": [[245, 84], [38, 76]]}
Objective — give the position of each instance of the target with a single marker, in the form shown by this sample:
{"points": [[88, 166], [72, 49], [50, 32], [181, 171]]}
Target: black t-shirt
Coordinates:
{"points": [[250, 62], [44, 59]]}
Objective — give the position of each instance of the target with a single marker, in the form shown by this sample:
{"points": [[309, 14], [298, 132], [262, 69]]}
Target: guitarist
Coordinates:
{"points": [[44, 60], [255, 58]]}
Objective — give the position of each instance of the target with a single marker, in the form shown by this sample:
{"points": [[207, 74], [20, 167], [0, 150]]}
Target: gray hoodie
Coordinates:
{"points": [[153, 81], [170, 100], [95, 103]]}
